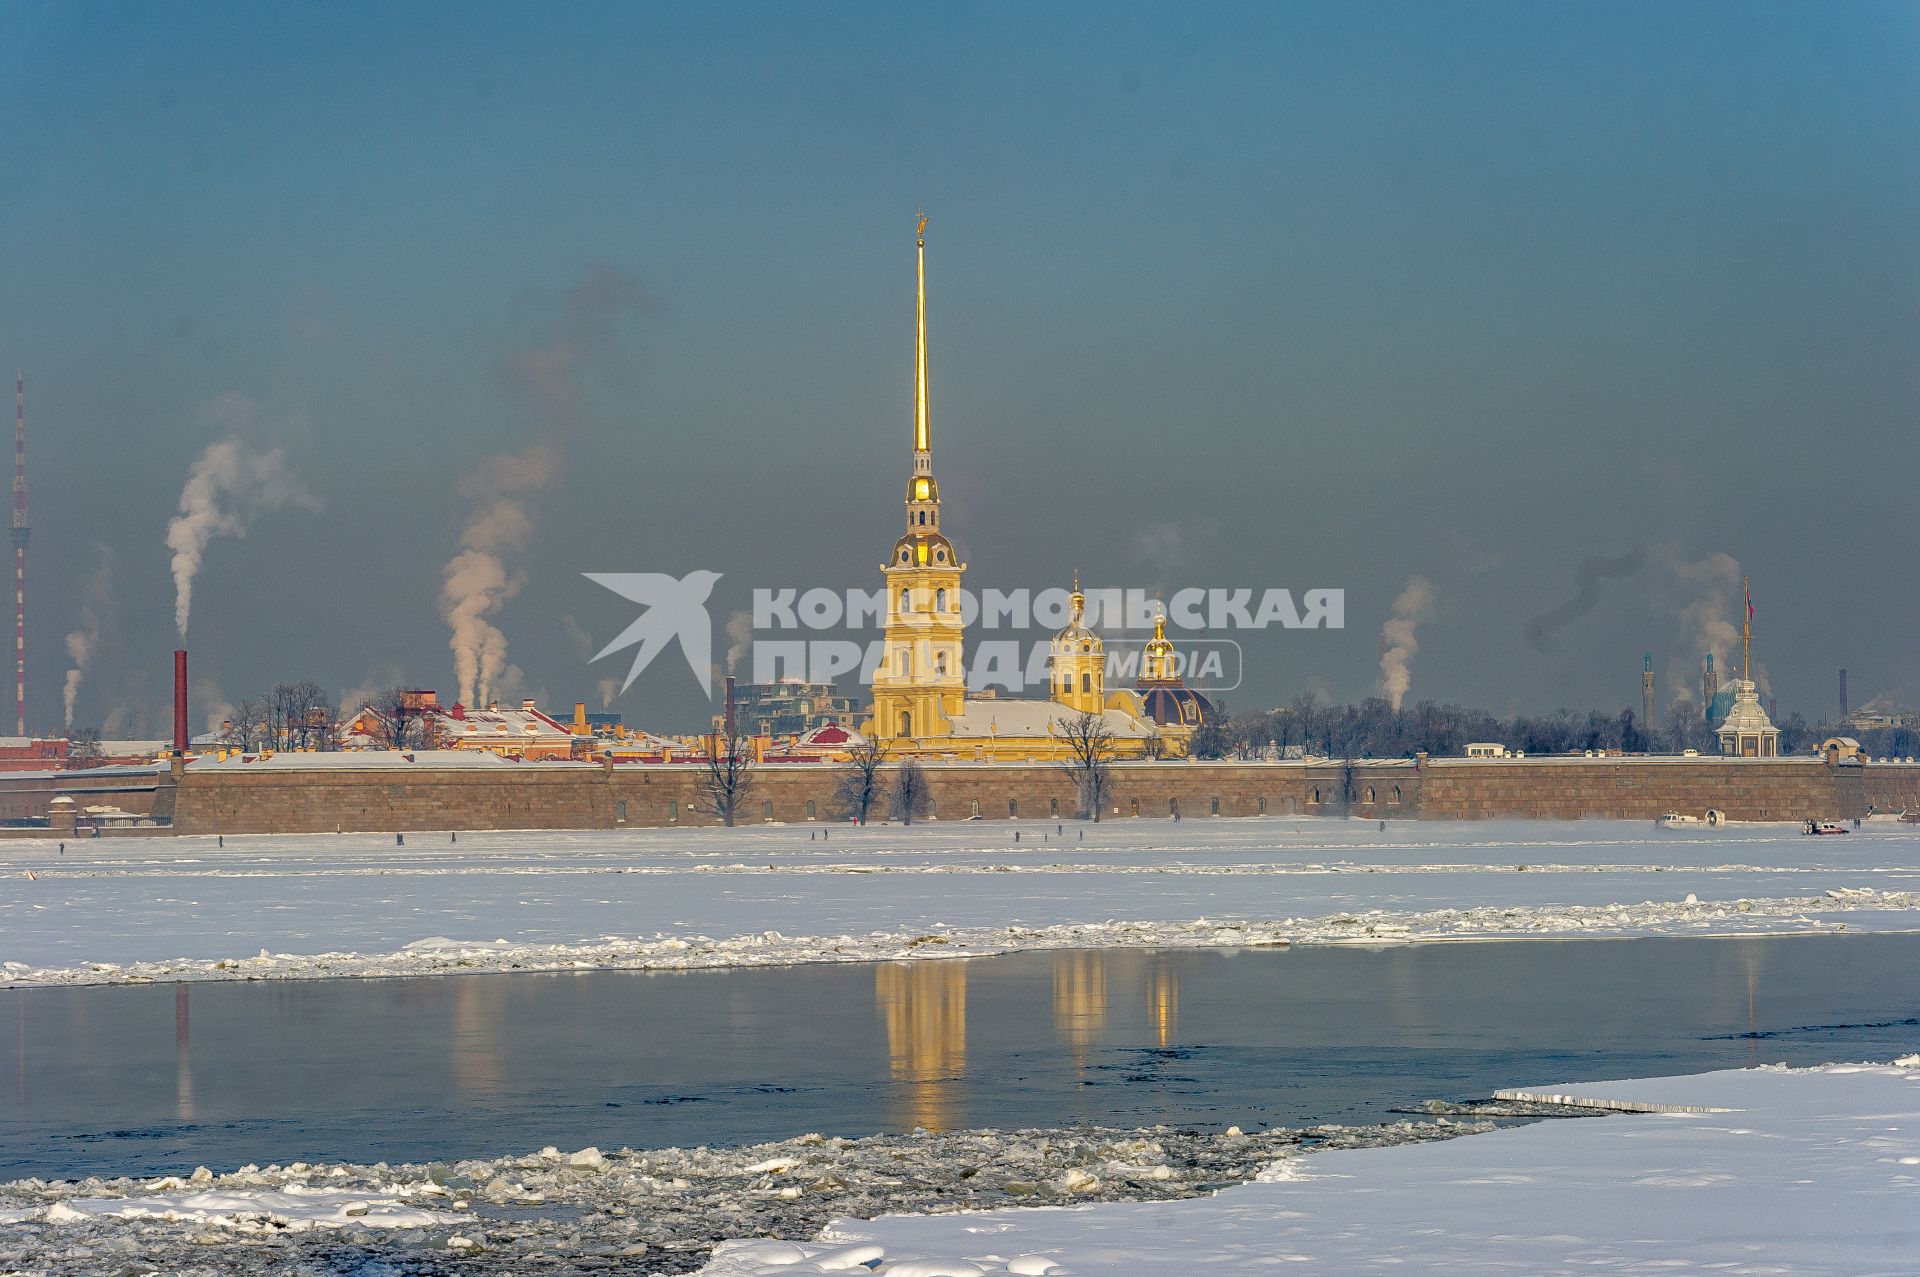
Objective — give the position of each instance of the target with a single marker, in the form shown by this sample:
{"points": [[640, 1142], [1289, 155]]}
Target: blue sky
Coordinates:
{"points": [[1293, 295]]}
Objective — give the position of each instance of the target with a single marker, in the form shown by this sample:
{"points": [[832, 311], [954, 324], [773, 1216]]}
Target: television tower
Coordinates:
{"points": [[20, 554]]}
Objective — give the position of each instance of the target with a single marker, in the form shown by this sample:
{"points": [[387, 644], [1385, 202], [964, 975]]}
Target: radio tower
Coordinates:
{"points": [[20, 554]]}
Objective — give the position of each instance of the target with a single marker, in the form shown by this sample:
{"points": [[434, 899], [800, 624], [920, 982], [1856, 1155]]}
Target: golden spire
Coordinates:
{"points": [[921, 442], [1079, 599], [1746, 633]]}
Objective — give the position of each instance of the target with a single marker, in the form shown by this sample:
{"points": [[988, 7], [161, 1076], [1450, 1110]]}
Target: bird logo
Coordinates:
{"points": [[676, 608]]}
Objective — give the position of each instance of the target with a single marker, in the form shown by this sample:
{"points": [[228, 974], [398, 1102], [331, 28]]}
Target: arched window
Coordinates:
{"points": [[1396, 793], [1369, 793], [809, 809], [673, 810], [940, 599], [1215, 809], [902, 661], [906, 723], [766, 810], [940, 663], [1053, 806], [1316, 793], [1086, 680], [906, 600], [1013, 808], [620, 813], [1263, 806]]}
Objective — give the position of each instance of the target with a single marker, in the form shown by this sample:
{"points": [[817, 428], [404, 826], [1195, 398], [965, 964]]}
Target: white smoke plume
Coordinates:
{"points": [[80, 652], [1704, 594], [501, 492], [1413, 608], [96, 611], [739, 639], [608, 689], [229, 486]]}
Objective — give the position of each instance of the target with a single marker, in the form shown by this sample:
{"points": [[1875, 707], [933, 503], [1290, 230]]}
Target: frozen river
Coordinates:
{"points": [[153, 1079]]}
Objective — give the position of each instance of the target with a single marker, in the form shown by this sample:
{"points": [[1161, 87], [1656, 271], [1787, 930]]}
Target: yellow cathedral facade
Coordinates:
{"points": [[920, 703]]}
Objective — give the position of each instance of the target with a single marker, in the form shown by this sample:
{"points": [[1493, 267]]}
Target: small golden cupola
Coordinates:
{"points": [[1079, 660], [1164, 695]]}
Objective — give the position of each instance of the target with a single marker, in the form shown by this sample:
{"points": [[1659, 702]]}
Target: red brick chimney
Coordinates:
{"points": [[180, 701]]}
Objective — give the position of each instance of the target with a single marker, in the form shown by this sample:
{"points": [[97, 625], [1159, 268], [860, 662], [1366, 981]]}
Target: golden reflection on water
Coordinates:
{"points": [[1163, 1001], [182, 1056], [1079, 999], [924, 1005], [474, 1062]]}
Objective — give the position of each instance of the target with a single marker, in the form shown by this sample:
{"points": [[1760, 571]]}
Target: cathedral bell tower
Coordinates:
{"points": [[1078, 661], [921, 681]]}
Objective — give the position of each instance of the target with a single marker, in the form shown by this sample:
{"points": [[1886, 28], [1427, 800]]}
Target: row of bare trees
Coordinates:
{"points": [[291, 716], [867, 783]]}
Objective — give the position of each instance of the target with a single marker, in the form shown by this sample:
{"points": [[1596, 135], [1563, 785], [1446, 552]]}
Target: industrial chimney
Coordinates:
{"points": [[729, 712], [180, 702]]}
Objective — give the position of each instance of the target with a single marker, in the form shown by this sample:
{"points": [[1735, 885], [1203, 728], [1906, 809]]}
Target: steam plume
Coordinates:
{"points": [[503, 492], [96, 609], [1398, 644], [608, 689], [739, 639], [1705, 596], [228, 487]]}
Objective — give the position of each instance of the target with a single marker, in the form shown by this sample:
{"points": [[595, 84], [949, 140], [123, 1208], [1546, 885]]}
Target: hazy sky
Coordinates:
{"points": [[1274, 295]]}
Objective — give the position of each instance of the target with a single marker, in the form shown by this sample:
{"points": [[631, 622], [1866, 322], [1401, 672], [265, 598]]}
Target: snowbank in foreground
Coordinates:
{"points": [[1806, 1172]]}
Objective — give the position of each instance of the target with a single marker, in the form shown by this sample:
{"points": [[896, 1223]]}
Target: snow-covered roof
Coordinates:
{"points": [[988, 718], [355, 760]]}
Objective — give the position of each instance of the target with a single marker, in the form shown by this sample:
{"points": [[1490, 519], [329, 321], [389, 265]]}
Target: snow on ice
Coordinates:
{"points": [[119, 910], [1808, 1172]]}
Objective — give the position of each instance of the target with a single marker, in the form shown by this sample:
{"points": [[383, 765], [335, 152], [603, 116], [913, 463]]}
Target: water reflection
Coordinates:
{"points": [[474, 1045], [924, 1005], [1163, 1000], [109, 1080], [182, 1057], [1080, 1000]]}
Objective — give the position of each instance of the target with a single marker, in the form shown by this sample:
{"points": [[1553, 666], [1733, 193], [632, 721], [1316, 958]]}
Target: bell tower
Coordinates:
{"points": [[921, 680]]}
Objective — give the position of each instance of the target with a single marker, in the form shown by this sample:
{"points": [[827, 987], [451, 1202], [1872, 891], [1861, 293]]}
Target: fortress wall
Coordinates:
{"points": [[554, 796], [1630, 789]]}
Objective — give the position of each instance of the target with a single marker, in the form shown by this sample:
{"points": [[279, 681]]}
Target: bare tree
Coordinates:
{"points": [[911, 795], [400, 719], [300, 715], [727, 775], [83, 742], [857, 788], [248, 724], [1089, 762]]}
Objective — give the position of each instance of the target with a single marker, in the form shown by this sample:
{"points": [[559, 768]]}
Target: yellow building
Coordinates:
{"points": [[920, 702]]}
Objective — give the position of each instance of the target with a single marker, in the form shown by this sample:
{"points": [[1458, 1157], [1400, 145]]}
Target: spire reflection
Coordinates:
{"points": [[924, 1005]]}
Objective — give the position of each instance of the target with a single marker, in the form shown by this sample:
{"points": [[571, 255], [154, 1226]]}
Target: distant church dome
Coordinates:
{"points": [[1164, 696]]}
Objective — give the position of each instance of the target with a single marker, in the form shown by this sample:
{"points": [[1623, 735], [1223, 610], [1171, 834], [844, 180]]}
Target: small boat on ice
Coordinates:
{"points": [[1825, 827]]}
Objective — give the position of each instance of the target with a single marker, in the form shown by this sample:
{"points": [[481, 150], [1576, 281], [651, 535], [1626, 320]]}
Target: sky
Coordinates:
{"points": [[1239, 296]]}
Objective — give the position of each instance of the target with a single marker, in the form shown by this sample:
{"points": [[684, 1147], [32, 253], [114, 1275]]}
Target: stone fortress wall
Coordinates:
{"points": [[290, 799]]}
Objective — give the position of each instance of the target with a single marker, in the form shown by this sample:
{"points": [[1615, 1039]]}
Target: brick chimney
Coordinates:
{"points": [[180, 701]]}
